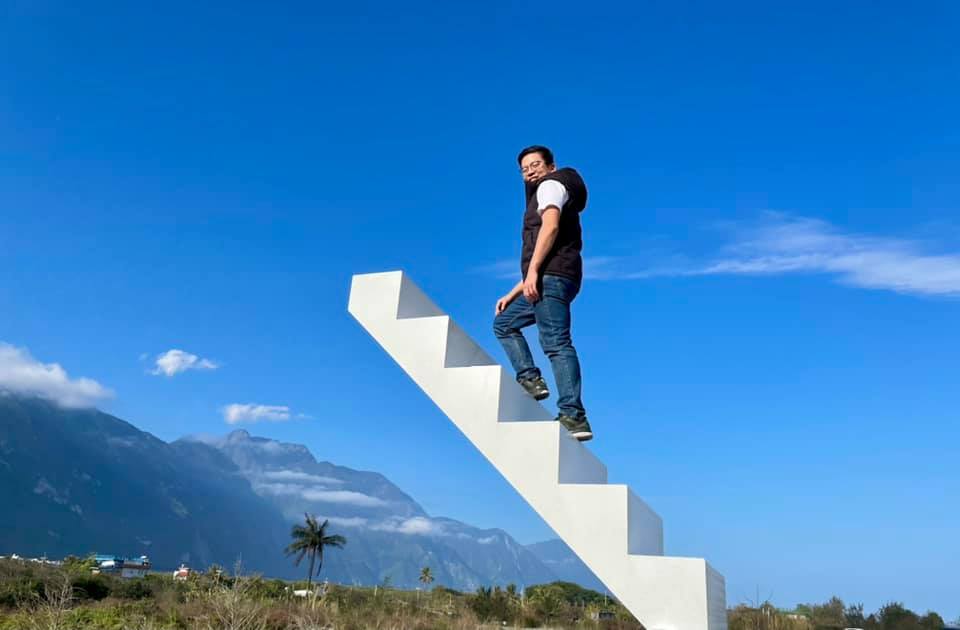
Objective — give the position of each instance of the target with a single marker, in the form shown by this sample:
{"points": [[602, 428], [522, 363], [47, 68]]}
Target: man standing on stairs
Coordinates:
{"points": [[551, 273]]}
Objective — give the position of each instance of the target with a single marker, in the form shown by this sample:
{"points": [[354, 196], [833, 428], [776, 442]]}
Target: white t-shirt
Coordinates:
{"points": [[551, 193]]}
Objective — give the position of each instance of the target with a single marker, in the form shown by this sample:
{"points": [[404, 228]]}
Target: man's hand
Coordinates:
{"points": [[530, 290], [506, 300]]}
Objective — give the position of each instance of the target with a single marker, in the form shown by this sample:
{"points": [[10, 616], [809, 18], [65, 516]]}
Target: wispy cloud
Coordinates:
{"points": [[594, 267], [20, 373], [500, 269], [249, 412], [173, 362], [417, 525], [784, 244], [320, 494], [347, 497], [344, 521], [298, 476]]}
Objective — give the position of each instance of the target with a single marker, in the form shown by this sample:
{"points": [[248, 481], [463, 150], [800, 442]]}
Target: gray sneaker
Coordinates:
{"points": [[578, 427], [536, 387]]}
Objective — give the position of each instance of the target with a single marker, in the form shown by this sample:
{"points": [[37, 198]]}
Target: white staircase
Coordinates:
{"points": [[614, 532]]}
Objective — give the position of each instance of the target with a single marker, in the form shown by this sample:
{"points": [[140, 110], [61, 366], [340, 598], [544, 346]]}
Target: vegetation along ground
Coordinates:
{"points": [[35, 596]]}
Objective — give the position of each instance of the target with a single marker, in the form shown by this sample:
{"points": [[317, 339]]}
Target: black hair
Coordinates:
{"points": [[544, 152]]}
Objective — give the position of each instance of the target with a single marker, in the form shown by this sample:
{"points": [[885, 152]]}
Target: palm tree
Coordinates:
{"points": [[426, 576], [311, 539]]}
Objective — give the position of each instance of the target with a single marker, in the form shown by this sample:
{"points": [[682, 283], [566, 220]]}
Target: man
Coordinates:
{"points": [[551, 273]]}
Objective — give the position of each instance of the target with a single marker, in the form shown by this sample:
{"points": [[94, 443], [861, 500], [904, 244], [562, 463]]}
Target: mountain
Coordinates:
{"points": [[77, 481], [561, 560], [82, 480], [389, 533]]}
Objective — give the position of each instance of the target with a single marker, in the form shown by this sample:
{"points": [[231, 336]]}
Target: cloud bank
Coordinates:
{"points": [[20, 373]]}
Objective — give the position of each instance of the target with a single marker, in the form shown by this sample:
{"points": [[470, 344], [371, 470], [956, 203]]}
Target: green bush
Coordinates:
{"points": [[133, 589], [571, 593], [493, 605], [92, 587], [22, 591], [34, 595]]}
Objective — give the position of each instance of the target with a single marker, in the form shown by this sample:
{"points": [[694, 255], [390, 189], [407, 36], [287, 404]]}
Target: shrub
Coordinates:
{"points": [[493, 605], [93, 587], [20, 592], [133, 589]]}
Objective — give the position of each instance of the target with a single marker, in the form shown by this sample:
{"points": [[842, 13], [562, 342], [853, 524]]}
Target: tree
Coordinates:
{"points": [[426, 577], [310, 539], [894, 616], [75, 565], [829, 615], [932, 621], [548, 600], [853, 616]]}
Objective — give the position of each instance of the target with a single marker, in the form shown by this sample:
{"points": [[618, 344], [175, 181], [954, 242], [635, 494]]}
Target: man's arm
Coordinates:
{"points": [[505, 301], [545, 240]]}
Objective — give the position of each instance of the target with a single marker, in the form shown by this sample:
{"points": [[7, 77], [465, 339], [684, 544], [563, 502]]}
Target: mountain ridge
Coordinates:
{"points": [[84, 480]]}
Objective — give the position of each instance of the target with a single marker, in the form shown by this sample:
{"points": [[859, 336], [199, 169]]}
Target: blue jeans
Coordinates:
{"points": [[551, 314]]}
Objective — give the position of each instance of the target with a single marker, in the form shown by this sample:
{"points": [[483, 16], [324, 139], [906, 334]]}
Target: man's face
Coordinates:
{"points": [[533, 167]]}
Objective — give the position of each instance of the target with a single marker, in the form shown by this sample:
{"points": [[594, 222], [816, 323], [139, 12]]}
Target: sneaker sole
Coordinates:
{"points": [[583, 436], [542, 396]]}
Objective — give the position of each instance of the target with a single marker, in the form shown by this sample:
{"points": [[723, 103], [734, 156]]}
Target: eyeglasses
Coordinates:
{"points": [[531, 166]]}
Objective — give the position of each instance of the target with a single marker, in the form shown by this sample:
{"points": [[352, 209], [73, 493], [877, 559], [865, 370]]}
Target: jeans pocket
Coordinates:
{"points": [[560, 288]]}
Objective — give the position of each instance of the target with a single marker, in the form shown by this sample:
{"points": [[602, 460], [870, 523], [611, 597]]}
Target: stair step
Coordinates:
{"points": [[537, 456], [516, 405], [612, 513], [419, 344], [672, 593], [462, 351]]}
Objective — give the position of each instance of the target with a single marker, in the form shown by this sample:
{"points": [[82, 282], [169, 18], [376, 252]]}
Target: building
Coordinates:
{"points": [[122, 567], [182, 573]]}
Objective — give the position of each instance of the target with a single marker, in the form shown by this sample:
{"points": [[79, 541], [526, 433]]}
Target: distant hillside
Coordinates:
{"points": [[82, 480], [390, 534]]}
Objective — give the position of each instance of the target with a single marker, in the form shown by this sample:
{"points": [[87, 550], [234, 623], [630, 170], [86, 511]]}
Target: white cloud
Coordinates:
{"points": [[20, 373], [412, 526], [296, 475], [784, 244], [417, 525], [343, 496], [278, 488], [249, 412], [350, 521], [175, 361], [501, 269], [320, 495]]}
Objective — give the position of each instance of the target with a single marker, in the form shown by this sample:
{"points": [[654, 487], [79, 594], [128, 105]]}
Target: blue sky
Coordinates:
{"points": [[768, 326]]}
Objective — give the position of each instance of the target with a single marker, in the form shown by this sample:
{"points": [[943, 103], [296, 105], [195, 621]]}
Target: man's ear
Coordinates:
{"points": [[553, 167]]}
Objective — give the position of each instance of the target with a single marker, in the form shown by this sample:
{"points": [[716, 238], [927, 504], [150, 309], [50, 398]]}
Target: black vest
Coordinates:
{"points": [[564, 259]]}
